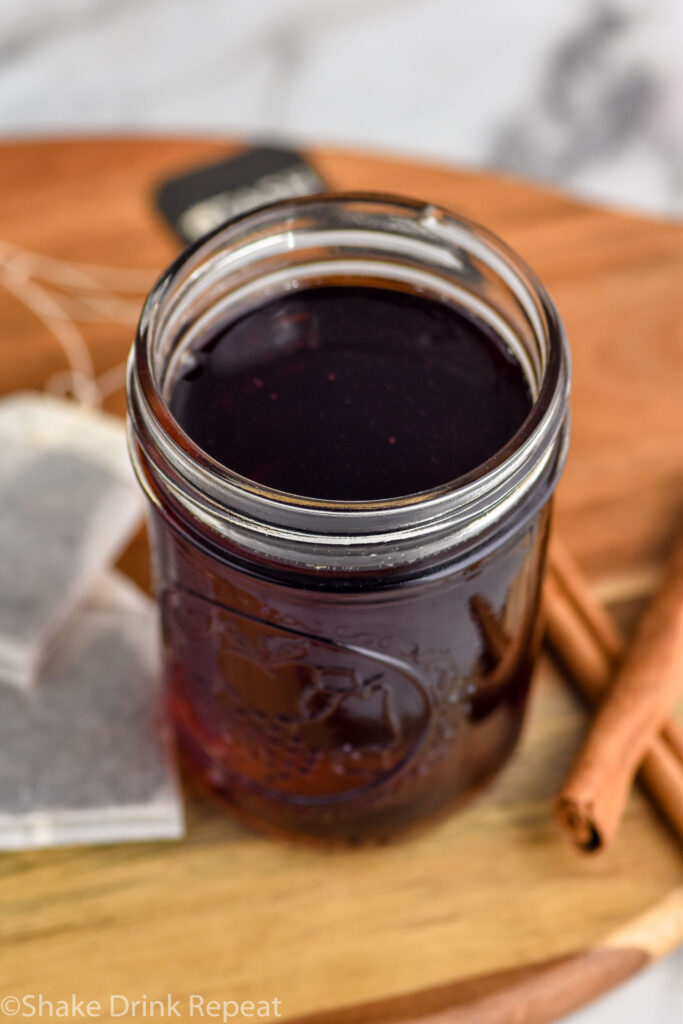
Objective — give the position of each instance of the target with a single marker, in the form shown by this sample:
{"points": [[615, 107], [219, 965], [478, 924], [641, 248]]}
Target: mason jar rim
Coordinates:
{"points": [[343, 533]]}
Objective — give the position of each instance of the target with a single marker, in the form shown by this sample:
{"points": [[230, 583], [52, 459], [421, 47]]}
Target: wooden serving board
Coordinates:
{"points": [[488, 917]]}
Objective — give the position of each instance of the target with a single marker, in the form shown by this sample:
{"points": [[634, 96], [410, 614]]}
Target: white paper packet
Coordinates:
{"points": [[68, 505], [86, 755]]}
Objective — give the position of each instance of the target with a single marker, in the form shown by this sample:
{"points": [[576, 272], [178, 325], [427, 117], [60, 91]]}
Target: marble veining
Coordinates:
{"points": [[599, 102]]}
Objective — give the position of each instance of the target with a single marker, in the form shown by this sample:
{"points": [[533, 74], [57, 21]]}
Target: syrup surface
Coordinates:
{"points": [[352, 393]]}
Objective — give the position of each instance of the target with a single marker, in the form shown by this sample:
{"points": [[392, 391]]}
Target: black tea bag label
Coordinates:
{"points": [[198, 201]]}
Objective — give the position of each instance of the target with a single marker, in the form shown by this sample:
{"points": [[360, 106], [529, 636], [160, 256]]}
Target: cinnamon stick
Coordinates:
{"points": [[590, 669], [584, 635], [576, 586], [591, 802], [672, 733], [587, 661]]}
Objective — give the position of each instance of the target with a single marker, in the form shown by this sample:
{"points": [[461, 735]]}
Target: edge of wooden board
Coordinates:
{"points": [[540, 993]]}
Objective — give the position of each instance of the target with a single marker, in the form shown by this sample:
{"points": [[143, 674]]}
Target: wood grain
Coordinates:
{"points": [[476, 912]]}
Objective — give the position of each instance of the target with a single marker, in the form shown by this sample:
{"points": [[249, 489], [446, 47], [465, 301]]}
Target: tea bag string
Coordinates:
{"points": [[63, 295]]}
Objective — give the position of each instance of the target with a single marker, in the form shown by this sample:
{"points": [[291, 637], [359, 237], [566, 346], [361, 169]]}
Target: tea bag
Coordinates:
{"points": [[68, 505], [85, 756]]}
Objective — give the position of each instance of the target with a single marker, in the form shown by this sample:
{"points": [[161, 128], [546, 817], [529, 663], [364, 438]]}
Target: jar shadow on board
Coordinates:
{"points": [[349, 414]]}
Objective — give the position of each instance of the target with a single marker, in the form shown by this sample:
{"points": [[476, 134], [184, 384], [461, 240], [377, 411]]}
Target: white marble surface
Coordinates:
{"points": [[654, 996], [582, 94]]}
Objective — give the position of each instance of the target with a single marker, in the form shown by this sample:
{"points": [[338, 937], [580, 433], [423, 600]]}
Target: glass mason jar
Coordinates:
{"points": [[343, 670]]}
